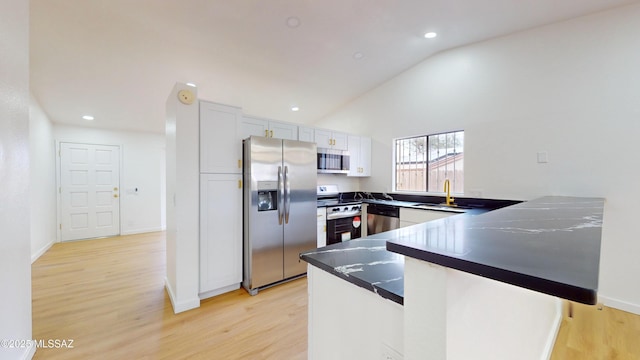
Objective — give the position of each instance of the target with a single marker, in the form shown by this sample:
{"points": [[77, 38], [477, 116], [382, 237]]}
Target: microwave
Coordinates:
{"points": [[332, 161]]}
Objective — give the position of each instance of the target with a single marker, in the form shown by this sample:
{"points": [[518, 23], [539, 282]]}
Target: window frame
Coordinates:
{"points": [[394, 165]]}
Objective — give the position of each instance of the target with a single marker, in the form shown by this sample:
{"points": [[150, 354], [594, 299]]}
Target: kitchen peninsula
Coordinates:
{"points": [[452, 294]]}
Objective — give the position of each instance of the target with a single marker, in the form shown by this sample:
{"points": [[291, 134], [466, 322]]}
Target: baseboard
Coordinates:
{"points": [[216, 292], [41, 252], [29, 352], [141, 231], [553, 334], [619, 304], [179, 307]]}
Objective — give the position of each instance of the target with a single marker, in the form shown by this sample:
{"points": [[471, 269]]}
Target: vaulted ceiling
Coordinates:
{"points": [[118, 60]]}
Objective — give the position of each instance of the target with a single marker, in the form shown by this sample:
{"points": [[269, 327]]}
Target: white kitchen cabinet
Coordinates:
{"points": [[306, 134], [359, 155], [268, 128], [220, 139], [416, 216], [322, 227], [330, 139], [281, 130], [252, 126], [220, 233]]}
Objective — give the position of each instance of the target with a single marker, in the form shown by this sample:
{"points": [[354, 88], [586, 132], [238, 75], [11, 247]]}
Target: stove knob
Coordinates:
{"points": [[335, 209], [346, 209]]}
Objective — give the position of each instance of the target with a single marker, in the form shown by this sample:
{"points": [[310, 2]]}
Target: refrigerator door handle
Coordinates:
{"points": [[280, 196], [287, 198]]}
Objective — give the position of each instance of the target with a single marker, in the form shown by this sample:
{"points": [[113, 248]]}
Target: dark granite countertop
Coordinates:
{"points": [[550, 245], [364, 262]]}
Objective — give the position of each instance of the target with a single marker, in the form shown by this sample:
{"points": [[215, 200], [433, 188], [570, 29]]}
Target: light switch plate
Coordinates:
{"points": [[542, 157]]}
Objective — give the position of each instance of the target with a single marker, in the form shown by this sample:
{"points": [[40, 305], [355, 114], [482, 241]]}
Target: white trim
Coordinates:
{"points": [[142, 231], [181, 306], [216, 292], [29, 353], [59, 181], [553, 332], [41, 252], [619, 304]]}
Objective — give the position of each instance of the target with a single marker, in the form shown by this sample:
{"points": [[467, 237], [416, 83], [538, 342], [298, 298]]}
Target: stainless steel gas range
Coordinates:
{"points": [[344, 213]]}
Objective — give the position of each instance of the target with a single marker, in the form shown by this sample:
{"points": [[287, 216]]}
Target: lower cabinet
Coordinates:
{"points": [[414, 216], [220, 233], [322, 227]]}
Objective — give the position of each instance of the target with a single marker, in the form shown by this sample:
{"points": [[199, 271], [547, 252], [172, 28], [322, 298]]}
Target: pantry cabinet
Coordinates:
{"points": [[220, 139], [220, 233]]}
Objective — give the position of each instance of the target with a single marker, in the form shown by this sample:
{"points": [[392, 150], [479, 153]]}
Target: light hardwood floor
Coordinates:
{"points": [[108, 296]]}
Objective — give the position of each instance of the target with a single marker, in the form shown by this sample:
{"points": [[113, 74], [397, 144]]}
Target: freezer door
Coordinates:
{"points": [[263, 255], [300, 177]]}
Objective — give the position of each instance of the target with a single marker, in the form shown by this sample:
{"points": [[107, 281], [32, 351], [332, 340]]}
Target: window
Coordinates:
{"points": [[423, 163]]}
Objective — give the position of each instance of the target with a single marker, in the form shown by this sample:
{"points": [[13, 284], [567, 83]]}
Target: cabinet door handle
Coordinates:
{"points": [[271, 131], [239, 164], [266, 133], [239, 184]]}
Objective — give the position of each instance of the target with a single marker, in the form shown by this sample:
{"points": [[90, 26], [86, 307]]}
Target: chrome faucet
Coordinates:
{"points": [[447, 188]]}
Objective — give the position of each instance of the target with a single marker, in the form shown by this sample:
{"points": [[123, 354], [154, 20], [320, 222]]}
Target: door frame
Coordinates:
{"points": [[59, 183]]}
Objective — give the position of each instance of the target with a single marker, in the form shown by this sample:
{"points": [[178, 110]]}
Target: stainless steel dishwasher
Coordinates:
{"points": [[381, 218]]}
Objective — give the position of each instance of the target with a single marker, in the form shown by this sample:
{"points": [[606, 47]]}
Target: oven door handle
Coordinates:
{"points": [[280, 196]]}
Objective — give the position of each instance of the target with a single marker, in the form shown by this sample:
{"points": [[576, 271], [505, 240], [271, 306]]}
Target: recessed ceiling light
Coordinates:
{"points": [[295, 108], [88, 117], [430, 35], [191, 84], [293, 22], [358, 55]]}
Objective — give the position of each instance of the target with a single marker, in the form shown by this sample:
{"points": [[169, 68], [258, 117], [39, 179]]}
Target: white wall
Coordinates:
{"points": [[571, 89], [183, 201], [42, 157], [345, 183], [15, 259], [142, 168]]}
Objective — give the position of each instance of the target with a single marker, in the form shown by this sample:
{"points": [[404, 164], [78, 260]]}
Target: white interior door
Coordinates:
{"points": [[89, 191]]}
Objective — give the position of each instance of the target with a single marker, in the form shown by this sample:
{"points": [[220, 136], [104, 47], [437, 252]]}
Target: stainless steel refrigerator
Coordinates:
{"points": [[280, 179]]}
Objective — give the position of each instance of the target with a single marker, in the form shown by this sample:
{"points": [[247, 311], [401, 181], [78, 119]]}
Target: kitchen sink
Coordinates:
{"points": [[441, 207]]}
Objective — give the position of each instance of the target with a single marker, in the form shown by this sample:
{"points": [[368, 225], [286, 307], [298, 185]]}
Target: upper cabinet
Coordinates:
{"points": [[306, 134], [220, 139], [331, 139], [359, 156], [253, 126]]}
